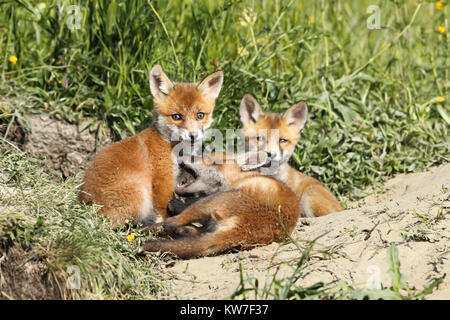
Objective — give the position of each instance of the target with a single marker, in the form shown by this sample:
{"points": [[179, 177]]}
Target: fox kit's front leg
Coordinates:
{"points": [[200, 212], [194, 242]]}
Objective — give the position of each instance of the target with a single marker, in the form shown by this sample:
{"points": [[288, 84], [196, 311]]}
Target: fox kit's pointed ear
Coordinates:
{"points": [[249, 110], [211, 85], [296, 115], [160, 84]]}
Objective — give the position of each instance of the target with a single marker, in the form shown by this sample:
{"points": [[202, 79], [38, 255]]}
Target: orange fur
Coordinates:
{"points": [[254, 210], [134, 178], [315, 198]]}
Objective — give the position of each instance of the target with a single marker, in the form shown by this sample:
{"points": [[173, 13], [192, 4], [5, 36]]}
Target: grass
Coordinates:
{"points": [[45, 220], [287, 288], [377, 97]]}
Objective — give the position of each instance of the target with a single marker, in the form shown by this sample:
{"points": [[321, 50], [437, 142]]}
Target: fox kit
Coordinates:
{"points": [[241, 209], [135, 177], [258, 128]]}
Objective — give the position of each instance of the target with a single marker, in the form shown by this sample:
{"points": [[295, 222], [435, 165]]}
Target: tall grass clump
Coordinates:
{"points": [[378, 98], [43, 221]]}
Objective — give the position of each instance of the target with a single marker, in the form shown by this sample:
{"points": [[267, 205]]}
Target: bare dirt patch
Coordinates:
{"points": [[25, 277], [413, 214], [67, 150]]}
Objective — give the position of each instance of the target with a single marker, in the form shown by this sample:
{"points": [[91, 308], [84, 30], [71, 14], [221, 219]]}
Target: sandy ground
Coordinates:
{"points": [[413, 214]]}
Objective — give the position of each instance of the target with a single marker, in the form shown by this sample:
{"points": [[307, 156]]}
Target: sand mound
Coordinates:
{"points": [[413, 214]]}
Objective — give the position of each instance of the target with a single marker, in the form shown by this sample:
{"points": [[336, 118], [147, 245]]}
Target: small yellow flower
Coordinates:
{"points": [[120, 4], [311, 20], [440, 99], [59, 81], [300, 6], [438, 5], [130, 237], [441, 29], [13, 59], [140, 43]]}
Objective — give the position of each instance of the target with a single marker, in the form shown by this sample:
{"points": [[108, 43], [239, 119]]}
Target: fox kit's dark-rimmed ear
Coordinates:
{"points": [[211, 85], [249, 110], [296, 115], [160, 84]]}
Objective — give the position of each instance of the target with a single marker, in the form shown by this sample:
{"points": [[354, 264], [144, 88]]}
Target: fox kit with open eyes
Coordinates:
{"points": [[241, 209], [277, 134], [134, 178]]}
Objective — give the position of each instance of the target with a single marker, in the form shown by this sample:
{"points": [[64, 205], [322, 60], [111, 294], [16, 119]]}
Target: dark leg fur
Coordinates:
{"points": [[176, 205], [191, 247]]}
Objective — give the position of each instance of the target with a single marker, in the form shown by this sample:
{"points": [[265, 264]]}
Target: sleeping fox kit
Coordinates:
{"points": [[241, 209], [135, 178]]}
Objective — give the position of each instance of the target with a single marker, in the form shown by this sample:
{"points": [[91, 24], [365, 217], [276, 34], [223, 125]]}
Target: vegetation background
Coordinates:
{"points": [[378, 97]]}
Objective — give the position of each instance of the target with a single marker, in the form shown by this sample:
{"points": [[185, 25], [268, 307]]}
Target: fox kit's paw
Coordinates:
{"points": [[180, 231]]}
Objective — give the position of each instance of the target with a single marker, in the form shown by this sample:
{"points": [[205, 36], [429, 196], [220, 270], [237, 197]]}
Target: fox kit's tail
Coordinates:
{"points": [[205, 244]]}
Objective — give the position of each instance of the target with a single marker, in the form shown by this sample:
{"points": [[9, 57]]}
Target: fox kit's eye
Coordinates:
{"points": [[200, 115], [177, 116], [259, 138], [282, 140]]}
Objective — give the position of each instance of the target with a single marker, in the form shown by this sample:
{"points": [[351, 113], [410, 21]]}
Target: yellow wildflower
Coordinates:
{"points": [[441, 29], [130, 237], [59, 81], [13, 59], [140, 43], [438, 5], [311, 20], [300, 5], [120, 4], [440, 99]]}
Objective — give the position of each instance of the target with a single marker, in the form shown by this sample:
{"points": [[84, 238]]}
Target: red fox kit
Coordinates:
{"points": [[258, 127], [245, 209], [135, 177]]}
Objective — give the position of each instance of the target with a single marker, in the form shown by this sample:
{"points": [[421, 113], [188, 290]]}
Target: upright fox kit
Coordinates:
{"points": [[254, 209], [259, 128], [135, 177]]}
